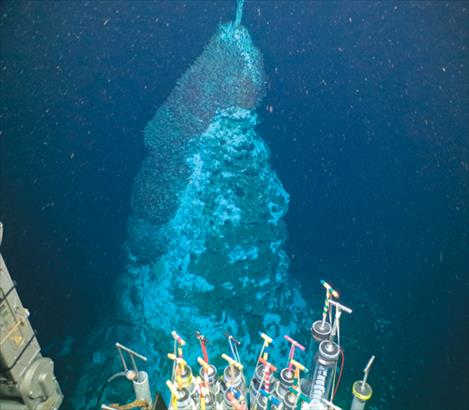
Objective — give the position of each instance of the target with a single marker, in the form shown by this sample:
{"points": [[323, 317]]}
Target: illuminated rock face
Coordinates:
{"points": [[224, 268], [228, 73], [206, 235]]}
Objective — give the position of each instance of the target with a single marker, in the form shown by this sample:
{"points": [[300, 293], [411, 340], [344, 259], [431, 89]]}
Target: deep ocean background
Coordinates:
{"points": [[367, 117]]}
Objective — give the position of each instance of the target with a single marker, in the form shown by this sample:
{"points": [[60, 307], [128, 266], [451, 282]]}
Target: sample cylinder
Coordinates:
{"points": [[142, 387], [186, 376], [184, 401], [227, 403], [209, 401], [259, 402], [257, 380], [210, 376], [362, 393], [285, 382], [232, 376], [289, 401], [230, 396], [320, 331], [326, 361]]}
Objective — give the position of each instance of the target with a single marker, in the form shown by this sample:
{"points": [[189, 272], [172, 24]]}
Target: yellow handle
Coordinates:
{"points": [[298, 365], [179, 360], [232, 362], [268, 340], [203, 363]]}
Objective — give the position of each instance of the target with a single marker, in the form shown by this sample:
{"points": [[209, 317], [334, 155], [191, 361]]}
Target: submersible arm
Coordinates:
{"points": [[27, 380]]}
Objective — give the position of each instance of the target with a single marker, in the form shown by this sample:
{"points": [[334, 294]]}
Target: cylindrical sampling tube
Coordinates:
{"points": [[142, 387], [319, 331], [232, 396], [184, 379], [361, 390], [208, 374], [358, 404], [259, 402], [232, 376], [209, 401], [362, 393], [256, 383], [227, 400], [180, 398], [184, 400], [326, 361], [185, 376], [285, 382], [289, 401]]}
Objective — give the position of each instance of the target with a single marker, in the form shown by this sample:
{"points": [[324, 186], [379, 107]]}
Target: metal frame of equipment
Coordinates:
{"points": [[293, 387], [27, 380]]}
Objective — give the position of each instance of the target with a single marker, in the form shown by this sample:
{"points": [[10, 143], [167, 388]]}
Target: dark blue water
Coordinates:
{"points": [[369, 132]]}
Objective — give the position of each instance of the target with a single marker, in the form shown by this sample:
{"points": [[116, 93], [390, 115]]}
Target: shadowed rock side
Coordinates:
{"points": [[206, 235]]}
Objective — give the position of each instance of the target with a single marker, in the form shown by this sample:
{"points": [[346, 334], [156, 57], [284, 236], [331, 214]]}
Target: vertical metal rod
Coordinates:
{"points": [[122, 358], [135, 366], [367, 370]]}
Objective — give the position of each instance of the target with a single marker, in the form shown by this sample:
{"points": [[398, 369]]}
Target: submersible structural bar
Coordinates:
{"points": [[270, 388], [27, 380], [139, 378]]}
